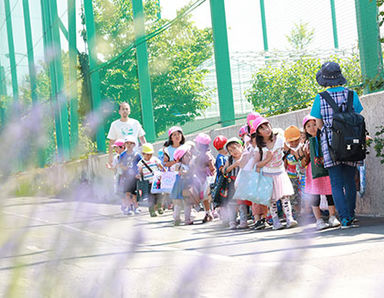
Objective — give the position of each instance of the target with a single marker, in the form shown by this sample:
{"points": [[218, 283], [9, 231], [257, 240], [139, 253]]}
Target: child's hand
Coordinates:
{"points": [[138, 176]]}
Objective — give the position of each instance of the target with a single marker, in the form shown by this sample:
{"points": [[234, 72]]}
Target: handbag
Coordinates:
{"points": [[253, 186], [142, 189], [317, 159], [163, 182]]}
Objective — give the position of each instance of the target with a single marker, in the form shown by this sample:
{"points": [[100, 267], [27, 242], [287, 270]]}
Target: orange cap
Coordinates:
{"points": [[292, 133]]}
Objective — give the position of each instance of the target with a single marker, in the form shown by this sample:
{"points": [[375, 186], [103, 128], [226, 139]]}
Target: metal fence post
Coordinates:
{"points": [[334, 25], [72, 76], [371, 58], [264, 25], [143, 71], [223, 67], [94, 76], [11, 48]]}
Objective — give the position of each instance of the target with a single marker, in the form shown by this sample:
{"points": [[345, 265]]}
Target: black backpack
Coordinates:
{"points": [[349, 133]]}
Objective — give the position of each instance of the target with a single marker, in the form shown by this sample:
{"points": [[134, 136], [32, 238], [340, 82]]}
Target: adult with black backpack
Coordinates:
{"points": [[343, 137]]}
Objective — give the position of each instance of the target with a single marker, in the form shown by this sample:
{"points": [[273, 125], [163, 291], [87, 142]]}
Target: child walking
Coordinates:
{"points": [[119, 165], [148, 165], [221, 158], [271, 147], [202, 166], [318, 186], [179, 193], [292, 156], [231, 169], [249, 159]]}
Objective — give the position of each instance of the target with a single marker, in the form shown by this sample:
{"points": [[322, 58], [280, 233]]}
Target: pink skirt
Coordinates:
{"points": [[318, 186], [282, 186]]}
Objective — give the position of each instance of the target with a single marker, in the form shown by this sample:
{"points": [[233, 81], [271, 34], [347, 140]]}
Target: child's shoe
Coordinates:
{"points": [[291, 223], [232, 225], [242, 225], [188, 223], [207, 218], [321, 225], [137, 211], [160, 211], [177, 222], [277, 224], [260, 224], [345, 223], [333, 222]]}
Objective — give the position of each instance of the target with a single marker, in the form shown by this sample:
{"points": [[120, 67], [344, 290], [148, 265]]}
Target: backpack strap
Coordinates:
{"points": [[330, 101], [350, 101], [144, 163]]}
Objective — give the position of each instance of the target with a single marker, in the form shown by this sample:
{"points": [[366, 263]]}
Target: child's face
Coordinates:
{"points": [[176, 137], [311, 128], [119, 149], [129, 146], [294, 144], [235, 149], [147, 156], [265, 130]]}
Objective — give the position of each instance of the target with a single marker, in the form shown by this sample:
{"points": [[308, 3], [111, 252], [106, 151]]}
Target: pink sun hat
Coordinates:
{"points": [[203, 139], [173, 129], [243, 131], [257, 122], [180, 152], [307, 118], [251, 117], [118, 143]]}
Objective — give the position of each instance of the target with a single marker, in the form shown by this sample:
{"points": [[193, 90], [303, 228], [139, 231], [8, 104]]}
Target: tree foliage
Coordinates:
{"points": [[285, 87], [300, 36], [174, 59]]}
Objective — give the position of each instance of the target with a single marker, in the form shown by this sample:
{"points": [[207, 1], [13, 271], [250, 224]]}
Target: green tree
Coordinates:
{"points": [[285, 87], [174, 59], [300, 36]]}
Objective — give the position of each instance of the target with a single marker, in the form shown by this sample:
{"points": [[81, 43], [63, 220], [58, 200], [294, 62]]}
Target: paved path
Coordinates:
{"points": [[56, 248]]}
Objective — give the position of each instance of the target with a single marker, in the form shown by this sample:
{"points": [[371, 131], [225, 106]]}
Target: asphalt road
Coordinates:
{"points": [[60, 248]]}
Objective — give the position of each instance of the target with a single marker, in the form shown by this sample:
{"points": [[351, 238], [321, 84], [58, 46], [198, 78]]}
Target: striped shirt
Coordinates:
{"points": [[152, 164]]}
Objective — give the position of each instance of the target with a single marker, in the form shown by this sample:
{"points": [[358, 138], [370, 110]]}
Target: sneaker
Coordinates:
{"points": [[321, 225], [333, 222], [177, 222], [345, 224], [354, 222], [232, 225], [188, 223], [260, 224], [153, 214], [207, 218], [242, 225], [160, 211], [291, 223], [129, 212], [277, 224]]}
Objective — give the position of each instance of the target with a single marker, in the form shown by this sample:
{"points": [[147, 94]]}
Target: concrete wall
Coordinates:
{"points": [[92, 172]]}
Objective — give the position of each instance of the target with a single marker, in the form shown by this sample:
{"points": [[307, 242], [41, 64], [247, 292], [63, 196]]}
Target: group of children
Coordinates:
{"points": [[203, 182]]}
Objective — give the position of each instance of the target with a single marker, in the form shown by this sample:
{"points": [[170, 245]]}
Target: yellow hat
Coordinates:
{"points": [[147, 148], [292, 133]]}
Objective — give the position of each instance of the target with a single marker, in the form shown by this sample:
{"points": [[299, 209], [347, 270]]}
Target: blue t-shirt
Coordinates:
{"points": [[129, 160], [170, 151], [316, 112], [220, 162]]}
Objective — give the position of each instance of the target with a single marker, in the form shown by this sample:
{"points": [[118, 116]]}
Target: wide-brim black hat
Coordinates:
{"points": [[330, 75]]}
